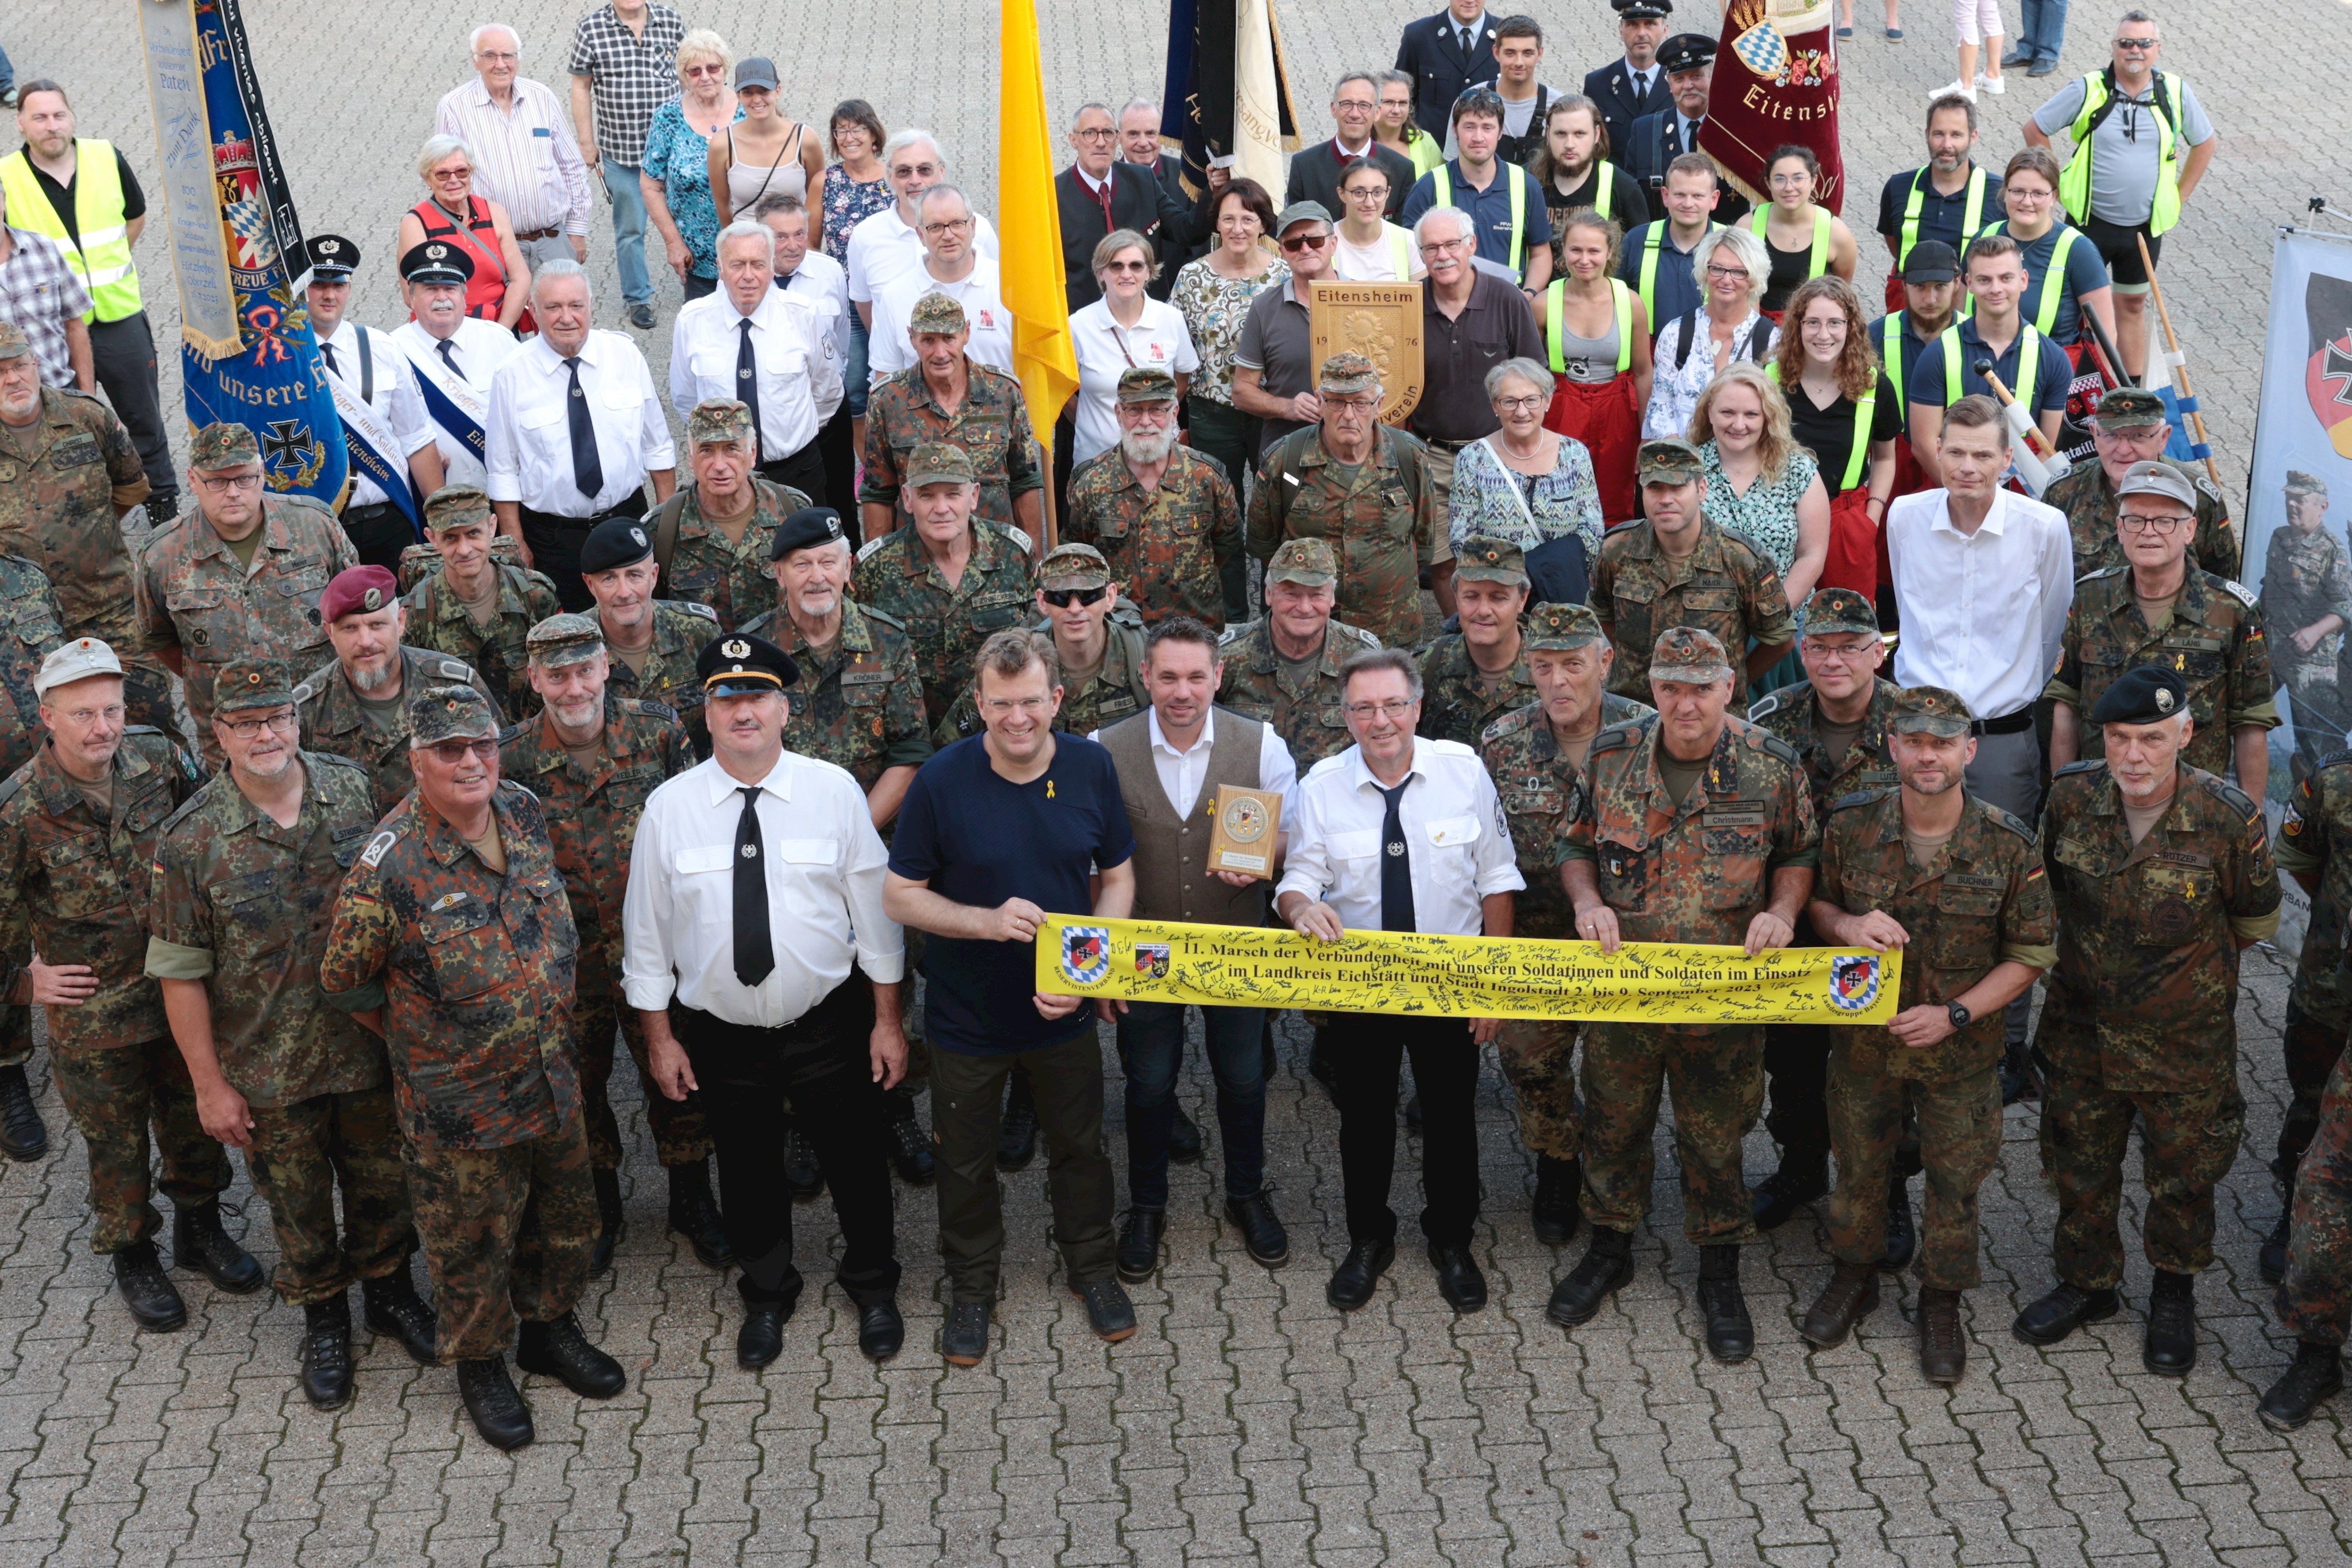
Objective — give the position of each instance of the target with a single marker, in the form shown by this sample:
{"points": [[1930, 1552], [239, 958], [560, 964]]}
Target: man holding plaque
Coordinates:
{"points": [[1196, 781]]}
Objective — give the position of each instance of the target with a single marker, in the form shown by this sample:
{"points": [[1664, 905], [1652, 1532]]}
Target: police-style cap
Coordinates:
{"points": [[450, 713], [566, 639], [1558, 628], [939, 463], [1307, 562], [1667, 461], [937, 313], [456, 506], [2144, 694], [718, 421], [1931, 261], [1685, 52], [1301, 212], [1642, 10], [77, 661], [614, 542], [253, 683], [2159, 479], [1347, 373], [1832, 611], [1689, 653], [1074, 566], [2298, 482], [331, 258], [360, 590], [1481, 559], [14, 344], [806, 530], [221, 445], [1930, 710], [1146, 383], [436, 261], [740, 664], [2130, 408]]}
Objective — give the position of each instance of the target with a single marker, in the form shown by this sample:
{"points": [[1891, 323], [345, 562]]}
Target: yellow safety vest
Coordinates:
{"points": [[102, 258], [1401, 251], [2054, 276], [1647, 288], [1444, 192], [2098, 98], [1819, 261], [1555, 323], [1970, 215], [2029, 365], [1864, 409]]}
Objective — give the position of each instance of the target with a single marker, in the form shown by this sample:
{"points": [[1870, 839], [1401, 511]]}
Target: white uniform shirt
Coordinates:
{"points": [[790, 344], [824, 863], [822, 284], [1181, 773], [1983, 616], [391, 392], [885, 244], [530, 433], [1158, 341], [1458, 841], [526, 159], [480, 347], [980, 292]]}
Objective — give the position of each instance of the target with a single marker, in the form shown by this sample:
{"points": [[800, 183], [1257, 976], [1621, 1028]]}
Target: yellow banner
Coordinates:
{"points": [[1463, 977]]}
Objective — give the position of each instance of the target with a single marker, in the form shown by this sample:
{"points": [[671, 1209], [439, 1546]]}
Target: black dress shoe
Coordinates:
{"points": [[761, 1338], [1902, 1234], [21, 1134], [694, 1214], [2170, 1348], [963, 1338], [1261, 1228], [2273, 1260], [2062, 1311], [1016, 1134], [1730, 1332], [1352, 1281], [641, 317], [1108, 1312], [1606, 1268], [910, 1146], [1184, 1139], [1139, 1244], [802, 1179], [394, 1310], [494, 1402], [147, 1290], [1554, 1212], [608, 1222], [327, 1352], [560, 1349], [1798, 1181], [1458, 1279], [2315, 1375], [881, 1332], [199, 1242]]}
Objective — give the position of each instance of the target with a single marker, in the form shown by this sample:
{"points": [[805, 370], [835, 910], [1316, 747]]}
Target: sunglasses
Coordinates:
{"points": [[450, 753], [1062, 597], [1304, 242]]}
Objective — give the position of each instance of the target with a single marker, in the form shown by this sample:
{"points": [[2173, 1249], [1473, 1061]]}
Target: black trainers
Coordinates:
{"points": [[694, 1214], [393, 1309], [1730, 1333], [154, 1302], [1108, 1312], [22, 1136], [1554, 1211], [1138, 1257], [608, 1222], [1801, 1180], [327, 1352], [963, 1338], [2314, 1376], [1261, 1228], [909, 1145], [494, 1402], [1016, 1135], [199, 1242], [559, 1350], [1606, 1268]]}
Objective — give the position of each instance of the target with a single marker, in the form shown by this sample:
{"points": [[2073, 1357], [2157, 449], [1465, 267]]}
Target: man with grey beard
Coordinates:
{"points": [[453, 355], [1163, 516]]}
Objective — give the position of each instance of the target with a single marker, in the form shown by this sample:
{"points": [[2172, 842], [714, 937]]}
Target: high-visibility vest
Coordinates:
{"points": [[1864, 409], [1517, 179], [2054, 276], [1401, 251], [102, 258], [2098, 102], [2029, 365], [1970, 215], [1608, 184], [1555, 324], [1648, 286], [1819, 261]]}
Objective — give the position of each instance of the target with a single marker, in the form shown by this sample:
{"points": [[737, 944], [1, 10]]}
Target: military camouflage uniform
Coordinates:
{"points": [[2088, 496], [474, 972], [1726, 586], [2140, 1013], [1458, 701], [1697, 872], [1167, 546], [1115, 691], [242, 906], [2315, 1299], [592, 820], [947, 625], [860, 709], [78, 889], [681, 631], [29, 628], [439, 622], [991, 426], [731, 578], [61, 481], [1385, 518], [195, 596], [1252, 682], [2316, 840], [2304, 580], [333, 720], [418, 562], [1982, 901], [2213, 638]]}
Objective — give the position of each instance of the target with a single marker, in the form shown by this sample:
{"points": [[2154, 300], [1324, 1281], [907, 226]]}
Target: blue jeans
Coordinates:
{"points": [[1151, 1045], [7, 72], [855, 375], [2042, 30], [629, 231]]}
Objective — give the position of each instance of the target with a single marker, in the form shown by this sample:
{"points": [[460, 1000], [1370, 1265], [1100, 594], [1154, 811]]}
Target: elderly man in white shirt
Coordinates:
{"points": [[1402, 833], [765, 348], [755, 887], [576, 429], [950, 266], [395, 464], [526, 156], [887, 244], [452, 356], [815, 279]]}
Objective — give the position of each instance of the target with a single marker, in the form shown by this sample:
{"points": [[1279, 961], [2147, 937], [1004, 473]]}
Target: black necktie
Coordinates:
{"points": [[448, 348], [327, 352], [1396, 865], [1468, 37], [755, 949], [747, 382], [587, 472]]}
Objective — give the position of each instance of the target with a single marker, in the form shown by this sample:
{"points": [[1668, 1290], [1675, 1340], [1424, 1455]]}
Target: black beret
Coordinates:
{"points": [[2143, 695], [615, 541], [740, 662], [809, 526]]}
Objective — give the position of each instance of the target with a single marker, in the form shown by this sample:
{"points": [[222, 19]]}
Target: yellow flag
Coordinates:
{"points": [[1029, 227]]}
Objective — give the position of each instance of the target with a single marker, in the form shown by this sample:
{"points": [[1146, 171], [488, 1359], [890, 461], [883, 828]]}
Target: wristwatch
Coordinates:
{"points": [[1960, 1016]]}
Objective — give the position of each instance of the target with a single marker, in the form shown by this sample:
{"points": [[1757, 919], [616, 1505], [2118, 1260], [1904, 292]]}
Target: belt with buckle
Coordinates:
{"points": [[549, 233], [2007, 724]]}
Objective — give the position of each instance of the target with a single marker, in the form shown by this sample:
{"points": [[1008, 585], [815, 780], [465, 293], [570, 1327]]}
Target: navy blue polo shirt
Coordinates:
{"points": [[2054, 372], [2085, 274], [1907, 341], [1939, 216], [1489, 210], [978, 838], [1677, 293]]}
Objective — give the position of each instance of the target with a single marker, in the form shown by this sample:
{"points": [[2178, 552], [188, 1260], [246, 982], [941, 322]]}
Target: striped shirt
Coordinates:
{"points": [[527, 161], [40, 294], [632, 76]]}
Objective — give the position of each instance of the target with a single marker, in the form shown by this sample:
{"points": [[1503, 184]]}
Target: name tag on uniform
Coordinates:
{"points": [[1871, 778], [2195, 644], [1984, 884], [2183, 857], [1734, 814]]}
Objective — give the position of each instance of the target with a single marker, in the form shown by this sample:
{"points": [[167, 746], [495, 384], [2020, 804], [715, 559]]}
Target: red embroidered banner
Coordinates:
{"points": [[1776, 82]]}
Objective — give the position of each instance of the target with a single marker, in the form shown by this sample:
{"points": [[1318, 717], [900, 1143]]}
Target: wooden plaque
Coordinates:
{"points": [[1381, 321], [1247, 823]]}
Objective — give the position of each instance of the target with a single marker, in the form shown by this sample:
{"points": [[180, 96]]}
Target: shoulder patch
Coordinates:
{"points": [[884, 616], [1774, 745], [2009, 820], [1616, 737], [511, 733], [11, 787], [2333, 758], [374, 854], [454, 670], [141, 729], [1769, 703], [190, 804], [1234, 632], [2245, 595], [2094, 576], [2229, 795], [872, 544], [2203, 483], [304, 693], [691, 608], [1859, 797], [647, 706], [335, 760], [1511, 723], [2087, 765], [1019, 536]]}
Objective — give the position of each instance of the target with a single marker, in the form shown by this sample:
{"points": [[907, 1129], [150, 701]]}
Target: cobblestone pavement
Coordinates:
{"points": [[1247, 1420]]}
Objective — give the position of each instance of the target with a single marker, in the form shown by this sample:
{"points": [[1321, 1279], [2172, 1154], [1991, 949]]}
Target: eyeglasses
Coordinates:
{"points": [[2139, 523], [1062, 597], [450, 753], [1000, 707], [494, 57], [1304, 242], [914, 171], [450, 176], [229, 483], [1098, 133], [1350, 404], [939, 231], [2030, 196], [1358, 104], [1127, 267], [1727, 273], [1444, 247], [285, 723], [1395, 708], [1520, 404], [705, 70], [2140, 45]]}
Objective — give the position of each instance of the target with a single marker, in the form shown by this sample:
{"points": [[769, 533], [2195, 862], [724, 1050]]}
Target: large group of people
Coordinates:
{"points": [[696, 724]]}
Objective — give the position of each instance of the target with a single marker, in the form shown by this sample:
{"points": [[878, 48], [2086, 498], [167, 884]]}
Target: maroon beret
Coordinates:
{"points": [[361, 590]]}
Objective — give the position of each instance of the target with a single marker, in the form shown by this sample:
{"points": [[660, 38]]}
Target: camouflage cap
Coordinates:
{"points": [[1689, 653], [2159, 479], [1558, 628], [1666, 461], [1484, 558], [1930, 710], [450, 713], [1146, 383], [1833, 611], [939, 463], [219, 445], [718, 421], [457, 506], [14, 344], [2130, 408], [1307, 562], [76, 661], [566, 639], [936, 312], [1347, 373], [1074, 566], [253, 683], [2300, 484]]}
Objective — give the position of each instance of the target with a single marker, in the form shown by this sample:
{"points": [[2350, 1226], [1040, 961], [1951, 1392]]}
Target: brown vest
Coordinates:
{"points": [[1172, 854]]}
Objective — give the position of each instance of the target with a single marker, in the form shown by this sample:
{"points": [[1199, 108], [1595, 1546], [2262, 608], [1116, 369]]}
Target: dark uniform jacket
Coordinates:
{"points": [[1726, 586], [1612, 87], [333, 720], [1537, 783], [30, 629], [1251, 681], [1431, 50], [1138, 202], [2214, 640], [681, 631], [861, 708]]}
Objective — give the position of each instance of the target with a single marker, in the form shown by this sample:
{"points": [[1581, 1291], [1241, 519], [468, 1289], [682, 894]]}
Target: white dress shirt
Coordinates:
{"points": [[480, 347], [1458, 840], [825, 863], [1158, 341], [1181, 773], [822, 284], [527, 159], [1983, 614], [529, 435], [788, 341], [391, 392], [885, 244], [980, 293]]}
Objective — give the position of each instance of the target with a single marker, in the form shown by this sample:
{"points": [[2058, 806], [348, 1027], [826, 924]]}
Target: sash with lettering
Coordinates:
{"points": [[369, 440], [453, 402]]}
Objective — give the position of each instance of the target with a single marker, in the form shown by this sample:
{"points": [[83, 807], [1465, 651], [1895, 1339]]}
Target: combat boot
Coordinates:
{"points": [[495, 1404], [199, 1242], [1943, 1349], [1554, 1211], [21, 1134], [608, 1221], [694, 1214], [1730, 1333], [394, 1310], [559, 1350], [2315, 1375], [147, 1290], [327, 1352], [2170, 1347], [1851, 1296], [1802, 1178], [1606, 1267]]}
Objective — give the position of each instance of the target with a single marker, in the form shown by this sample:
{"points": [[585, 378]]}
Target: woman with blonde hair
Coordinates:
{"points": [[1596, 335], [500, 286], [1759, 481], [675, 175], [1731, 270], [1846, 411]]}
